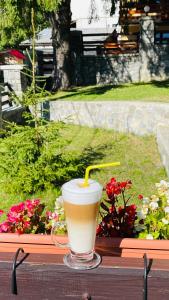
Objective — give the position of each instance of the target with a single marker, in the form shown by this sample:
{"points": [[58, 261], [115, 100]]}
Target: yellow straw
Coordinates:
{"points": [[89, 168]]}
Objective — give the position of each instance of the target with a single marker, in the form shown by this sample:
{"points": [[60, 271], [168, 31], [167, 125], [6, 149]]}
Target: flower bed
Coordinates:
{"points": [[149, 221], [117, 231], [121, 247]]}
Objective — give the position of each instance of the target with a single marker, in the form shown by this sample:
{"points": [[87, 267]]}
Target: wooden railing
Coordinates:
{"points": [[125, 43], [5, 99]]}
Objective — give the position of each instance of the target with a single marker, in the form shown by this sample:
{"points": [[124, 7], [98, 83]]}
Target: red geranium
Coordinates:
{"points": [[115, 188], [117, 220]]}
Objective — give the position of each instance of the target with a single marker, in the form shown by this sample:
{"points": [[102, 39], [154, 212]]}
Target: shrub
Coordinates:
{"points": [[33, 159]]}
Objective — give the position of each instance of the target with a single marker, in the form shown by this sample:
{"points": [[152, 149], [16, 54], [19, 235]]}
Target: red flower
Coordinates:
{"points": [[131, 208], [113, 188], [117, 220], [111, 209], [125, 184], [140, 197]]}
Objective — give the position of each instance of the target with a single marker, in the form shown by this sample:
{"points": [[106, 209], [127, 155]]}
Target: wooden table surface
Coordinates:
{"points": [[43, 276]]}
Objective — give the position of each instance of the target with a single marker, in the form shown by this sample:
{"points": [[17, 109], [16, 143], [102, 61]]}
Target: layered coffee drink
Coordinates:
{"points": [[81, 224], [81, 206]]}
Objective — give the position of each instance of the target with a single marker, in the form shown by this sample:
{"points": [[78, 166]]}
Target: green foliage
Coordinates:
{"points": [[94, 146], [15, 21], [32, 156], [33, 159], [49, 5]]}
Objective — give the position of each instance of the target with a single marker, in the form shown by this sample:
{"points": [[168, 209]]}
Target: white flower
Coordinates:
{"points": [[165, 221], [166, 209], [154, 198], [142, 213], [149, 237], [162, 187], [153, 205], [162, 184]]}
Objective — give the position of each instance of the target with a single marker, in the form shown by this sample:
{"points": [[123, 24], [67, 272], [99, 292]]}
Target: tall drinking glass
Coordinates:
{"points": [[81, 205]]}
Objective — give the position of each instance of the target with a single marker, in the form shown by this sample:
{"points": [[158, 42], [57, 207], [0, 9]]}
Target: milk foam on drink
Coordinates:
{"points": [[81, 209]]}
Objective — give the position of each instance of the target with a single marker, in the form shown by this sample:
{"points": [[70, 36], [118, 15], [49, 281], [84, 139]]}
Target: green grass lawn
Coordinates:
{"points": [[139, 158], [155, 91]]}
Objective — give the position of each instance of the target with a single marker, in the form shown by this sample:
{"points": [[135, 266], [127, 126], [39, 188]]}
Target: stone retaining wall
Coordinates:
{"points": [[134, 117]]}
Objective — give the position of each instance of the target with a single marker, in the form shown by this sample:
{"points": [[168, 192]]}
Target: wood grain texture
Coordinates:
{"points": [[43, 276], [36, 243]]}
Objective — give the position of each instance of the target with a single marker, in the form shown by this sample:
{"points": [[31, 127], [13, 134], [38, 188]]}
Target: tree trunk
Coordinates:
{"points": [[60, 21]]}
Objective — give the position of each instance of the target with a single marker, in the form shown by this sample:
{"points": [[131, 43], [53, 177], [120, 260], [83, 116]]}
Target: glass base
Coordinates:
{"points": [[73, 263]]}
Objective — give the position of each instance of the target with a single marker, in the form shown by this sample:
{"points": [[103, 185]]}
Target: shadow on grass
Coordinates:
{"points": [[101, 90], [78, 165], [93, 90], [160, 84]]}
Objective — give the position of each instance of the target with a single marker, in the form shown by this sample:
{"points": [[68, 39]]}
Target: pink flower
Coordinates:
{"points": [[32, 204], [4, 227], [27, 217], [52, 216], [29, 204], [36, 202], [13, 217], [18, 208]]}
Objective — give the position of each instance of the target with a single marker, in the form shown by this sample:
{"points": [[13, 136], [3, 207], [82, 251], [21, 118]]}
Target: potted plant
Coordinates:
{"points": [[123, 230]]}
